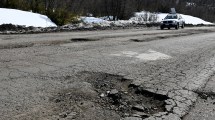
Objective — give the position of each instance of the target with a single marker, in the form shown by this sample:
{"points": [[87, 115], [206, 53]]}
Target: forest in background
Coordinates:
{"points": [[66, 11]]}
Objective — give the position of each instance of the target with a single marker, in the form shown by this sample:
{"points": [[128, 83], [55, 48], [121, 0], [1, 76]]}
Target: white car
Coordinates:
{"points": [[172, 20]]}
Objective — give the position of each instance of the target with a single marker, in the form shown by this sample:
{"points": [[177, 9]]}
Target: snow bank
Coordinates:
{"points": [[18, 17], [157, 17], [194, 20], [139, 18], [188, 19]]}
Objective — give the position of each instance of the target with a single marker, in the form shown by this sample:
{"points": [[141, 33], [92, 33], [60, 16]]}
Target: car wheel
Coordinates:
{"points": [[176, 27], [161, 28], [182, 26], [168, 27]]}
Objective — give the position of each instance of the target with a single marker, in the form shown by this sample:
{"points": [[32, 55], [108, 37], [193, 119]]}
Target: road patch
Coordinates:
{"points": [[150, 55]]}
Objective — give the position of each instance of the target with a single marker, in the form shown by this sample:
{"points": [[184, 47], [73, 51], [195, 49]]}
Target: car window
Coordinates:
{"points": [[168, 17], [171, 17]]}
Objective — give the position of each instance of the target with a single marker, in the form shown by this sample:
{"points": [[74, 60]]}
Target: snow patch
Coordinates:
{"points": [[144, 17], [19, 17], [92, 20], [153, 55], [190, 4], [157, 17]]}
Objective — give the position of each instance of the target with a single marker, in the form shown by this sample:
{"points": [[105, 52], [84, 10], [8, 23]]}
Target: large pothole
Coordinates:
{"points": [[97, 94], [16, 45], [83, 39]]}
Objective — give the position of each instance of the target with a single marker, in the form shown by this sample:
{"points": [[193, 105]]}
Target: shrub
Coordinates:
{"points": [[62, 16]]}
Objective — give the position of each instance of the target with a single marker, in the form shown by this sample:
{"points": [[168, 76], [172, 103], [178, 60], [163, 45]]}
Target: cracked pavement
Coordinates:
{"points": [[177, 64]]}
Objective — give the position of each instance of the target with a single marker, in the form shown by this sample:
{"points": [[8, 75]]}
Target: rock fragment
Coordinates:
{"points": [[138, 108], [63, 115], [132, 118], [113, 92]]}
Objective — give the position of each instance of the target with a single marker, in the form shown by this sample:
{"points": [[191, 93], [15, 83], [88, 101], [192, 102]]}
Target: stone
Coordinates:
{"points": [[138, 108], [108, 92], [160, 114], [102, 95], [71, 115], [114, 92], [179, 111], [171, 117], [132, 118], [136, 115], [142, 114], [169, 108], [170, 102], [63, 115], [150, 118], [126, 114], [136, 83], [158, 118]]}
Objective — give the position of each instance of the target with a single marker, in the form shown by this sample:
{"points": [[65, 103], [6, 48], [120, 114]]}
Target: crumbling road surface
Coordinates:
{"points": [[129, 74]]}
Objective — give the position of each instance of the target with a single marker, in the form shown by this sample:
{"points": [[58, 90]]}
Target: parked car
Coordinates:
{"points": [[172, 20]]}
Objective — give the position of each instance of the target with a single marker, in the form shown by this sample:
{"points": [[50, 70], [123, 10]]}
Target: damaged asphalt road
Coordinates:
{"points": [[129, 74]]}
